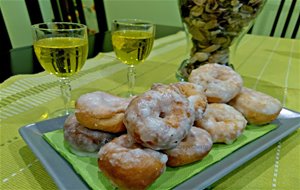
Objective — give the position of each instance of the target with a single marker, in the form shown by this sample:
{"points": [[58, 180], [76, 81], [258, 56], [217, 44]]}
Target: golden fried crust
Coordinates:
{"points": [[114, 124], [193, 148], [214, 99], [130, 166], [135, 178], [175, 161], [101, 111], [257, 107], [195, 94]]}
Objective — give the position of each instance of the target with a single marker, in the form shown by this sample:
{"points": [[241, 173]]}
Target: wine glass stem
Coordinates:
{"points": [[65, 89], [131, 79]]}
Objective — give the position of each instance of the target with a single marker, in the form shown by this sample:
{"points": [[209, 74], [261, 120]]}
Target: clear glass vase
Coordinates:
{"points": [[214, 29]]}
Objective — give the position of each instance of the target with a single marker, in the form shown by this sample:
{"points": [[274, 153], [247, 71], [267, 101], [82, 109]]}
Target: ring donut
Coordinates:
{"points": [[159, 119], [223, 122], [101, 111], [195, 94], [220, 82], [129, 165], [83, 140], [257, 107], [194, 147]]}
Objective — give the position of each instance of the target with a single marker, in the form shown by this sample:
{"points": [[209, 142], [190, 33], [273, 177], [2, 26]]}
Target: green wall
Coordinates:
{"points": [[164, 12]]}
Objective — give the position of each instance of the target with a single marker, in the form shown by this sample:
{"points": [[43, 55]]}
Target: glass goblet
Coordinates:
{"points": [[132, 41], [61, 49]]}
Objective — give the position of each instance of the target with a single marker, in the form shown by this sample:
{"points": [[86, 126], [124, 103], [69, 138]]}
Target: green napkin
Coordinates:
{"points": [[87, 167]]}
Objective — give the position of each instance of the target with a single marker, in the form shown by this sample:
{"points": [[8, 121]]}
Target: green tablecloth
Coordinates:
{"points": [[270, 65]]}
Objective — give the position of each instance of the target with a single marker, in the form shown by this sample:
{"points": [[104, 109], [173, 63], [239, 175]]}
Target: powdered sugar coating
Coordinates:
{"points": [[224, 123], [220, 82], [101, 104], [158, 155], [82, 138], [101, 111], [257, 107], [126, 154], [194, 147], [198, 141], [129, 165], [159, 119], [195, 94]]}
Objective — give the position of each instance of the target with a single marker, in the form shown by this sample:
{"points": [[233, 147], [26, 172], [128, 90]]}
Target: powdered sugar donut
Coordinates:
{"points": [[257, 107], [224, 123], [194, 147], [220, 82], [195, 94], [83, 140], [159, 119], [129, 165], [101, 111]]}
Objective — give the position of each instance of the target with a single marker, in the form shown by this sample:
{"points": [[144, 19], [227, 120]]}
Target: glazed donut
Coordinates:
{"points": [[220, 82], [195, 94], [83, 140], [224, 123], [257, 107], [159, 119], [194, 147], [129, 165], [101, 111]]}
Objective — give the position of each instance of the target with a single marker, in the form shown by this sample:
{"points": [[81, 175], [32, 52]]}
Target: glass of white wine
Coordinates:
{"points": [[61, 49], [132, 41]]}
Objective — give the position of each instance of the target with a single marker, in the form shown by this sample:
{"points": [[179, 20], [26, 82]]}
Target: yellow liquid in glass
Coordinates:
{"points": [[132, 46], [61, 56]]}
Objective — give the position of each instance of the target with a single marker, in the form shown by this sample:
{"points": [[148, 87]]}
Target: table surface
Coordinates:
{"points": [[270, 65]]}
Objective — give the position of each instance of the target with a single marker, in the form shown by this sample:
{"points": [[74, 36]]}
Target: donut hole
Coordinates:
{"points": [[162, 115], [184, 140]]}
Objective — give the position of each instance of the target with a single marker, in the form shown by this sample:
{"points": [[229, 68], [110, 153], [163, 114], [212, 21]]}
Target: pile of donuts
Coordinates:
{"points": [[175, 124]]}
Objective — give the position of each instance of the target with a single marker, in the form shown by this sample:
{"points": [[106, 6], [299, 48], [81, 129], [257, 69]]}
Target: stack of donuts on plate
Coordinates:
{"points": [[169, 125], [97, 120]]}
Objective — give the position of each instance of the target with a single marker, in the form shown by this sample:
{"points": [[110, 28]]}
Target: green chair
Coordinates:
{"points": [[279, 19]]}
